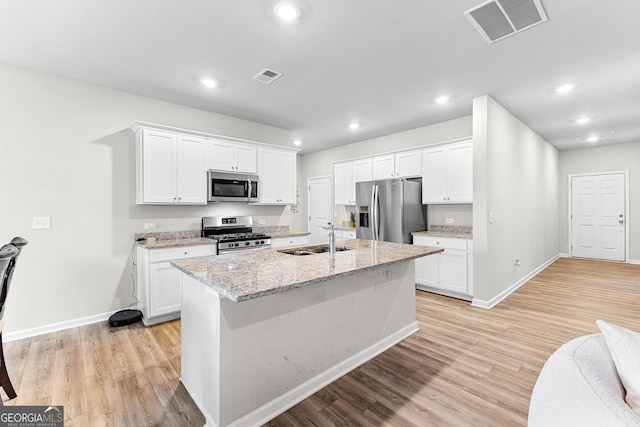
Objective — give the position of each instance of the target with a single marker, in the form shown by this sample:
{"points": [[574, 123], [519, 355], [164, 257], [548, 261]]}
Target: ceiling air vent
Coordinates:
{"points": [[267, 76], [497, 19]]}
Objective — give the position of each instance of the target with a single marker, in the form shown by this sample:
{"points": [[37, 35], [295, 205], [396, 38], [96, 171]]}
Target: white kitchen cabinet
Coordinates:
{"points": [[159, 284], [448, 272], [170, 168], [346, 175], [232, 157], [400, 165], [345, 235], [447, 175], [277, 177], [283, 242]]}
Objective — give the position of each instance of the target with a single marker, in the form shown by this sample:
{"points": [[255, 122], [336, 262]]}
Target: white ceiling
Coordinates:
{"points": [[381, 63]]}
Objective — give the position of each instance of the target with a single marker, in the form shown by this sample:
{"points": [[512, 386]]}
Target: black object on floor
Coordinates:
{"points": [[125, 317]]}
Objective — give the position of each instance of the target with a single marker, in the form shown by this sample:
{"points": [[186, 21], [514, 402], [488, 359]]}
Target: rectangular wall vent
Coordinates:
{"points": [[497, 19], [267, 76]]}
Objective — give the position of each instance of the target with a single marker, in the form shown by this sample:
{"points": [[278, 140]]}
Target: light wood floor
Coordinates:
{"points": [[466, 365]]}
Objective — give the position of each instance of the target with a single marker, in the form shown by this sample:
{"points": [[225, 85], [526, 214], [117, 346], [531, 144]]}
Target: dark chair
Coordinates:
{"points": [[8, 255]]}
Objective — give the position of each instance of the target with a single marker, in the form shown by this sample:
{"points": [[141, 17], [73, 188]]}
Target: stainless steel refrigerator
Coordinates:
{"points": [[389, 210]]}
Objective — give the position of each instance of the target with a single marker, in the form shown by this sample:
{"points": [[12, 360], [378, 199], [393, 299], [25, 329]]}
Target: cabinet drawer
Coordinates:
{"points": [[441, 242], [348, 235], [168, 254], [283, 242]]}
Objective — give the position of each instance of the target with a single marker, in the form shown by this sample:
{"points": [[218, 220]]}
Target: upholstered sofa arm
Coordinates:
{"points": [[579, 386]]}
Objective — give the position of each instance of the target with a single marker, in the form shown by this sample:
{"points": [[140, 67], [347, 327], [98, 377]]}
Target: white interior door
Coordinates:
{"points": [[320, 207], [598, 220]]}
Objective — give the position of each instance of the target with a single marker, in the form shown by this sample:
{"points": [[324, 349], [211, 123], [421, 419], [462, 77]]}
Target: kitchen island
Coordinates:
{"points": [[263, 330]]}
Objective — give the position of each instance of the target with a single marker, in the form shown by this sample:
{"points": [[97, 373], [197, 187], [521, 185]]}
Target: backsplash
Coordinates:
{"points": [[451, 228], [169, 235]]}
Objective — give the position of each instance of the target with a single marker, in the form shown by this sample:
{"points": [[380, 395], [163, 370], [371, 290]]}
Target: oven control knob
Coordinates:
{"points": [[247, 243], [262, 242], [236, 244]]}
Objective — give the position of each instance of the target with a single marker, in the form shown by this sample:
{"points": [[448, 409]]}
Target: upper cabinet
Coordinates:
{"points": [[170, 168], [232, 157], [447, 175], [346, 175], [406, 164], [277, 176]]}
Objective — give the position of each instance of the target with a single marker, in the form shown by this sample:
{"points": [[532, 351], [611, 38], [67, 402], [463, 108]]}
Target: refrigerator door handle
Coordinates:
{"points": [[376, 213]]}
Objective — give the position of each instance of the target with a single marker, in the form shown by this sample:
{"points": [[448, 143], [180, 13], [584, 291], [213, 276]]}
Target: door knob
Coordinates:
{"points": [[621, 221]]}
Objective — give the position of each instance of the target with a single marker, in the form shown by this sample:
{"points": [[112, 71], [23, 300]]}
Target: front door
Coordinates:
{"points": [[320, 207], [598, 222]]}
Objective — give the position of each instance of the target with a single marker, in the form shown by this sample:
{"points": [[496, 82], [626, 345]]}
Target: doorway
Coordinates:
{"points": [[598, 213], [320, 206]]}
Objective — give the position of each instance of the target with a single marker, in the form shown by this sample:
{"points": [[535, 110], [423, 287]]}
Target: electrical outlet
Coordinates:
{"points": [[149, 225], [41, 222], [448, 220], [262, 221]]}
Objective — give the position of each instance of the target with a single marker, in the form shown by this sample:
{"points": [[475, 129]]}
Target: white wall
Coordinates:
{"points": [[66, 151], [608, 158], [515, 177], [321, 162]]}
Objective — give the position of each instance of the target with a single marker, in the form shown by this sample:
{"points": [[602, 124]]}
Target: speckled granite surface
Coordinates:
{"points": [[249, 275], [177, 243], [458, 232], [278, 231]]}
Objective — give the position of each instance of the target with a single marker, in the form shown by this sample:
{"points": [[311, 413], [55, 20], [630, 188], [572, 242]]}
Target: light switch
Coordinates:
{"points": [[491, 218], [41, 222]]}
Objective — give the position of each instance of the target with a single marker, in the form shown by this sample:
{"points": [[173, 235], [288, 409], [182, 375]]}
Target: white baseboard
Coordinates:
{"points": [[563, 255], [280, 404], [54, 327], [502, 295], [634, 261]]}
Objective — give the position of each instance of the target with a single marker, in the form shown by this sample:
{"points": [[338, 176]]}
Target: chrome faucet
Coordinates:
{"points": [[332, 239]]}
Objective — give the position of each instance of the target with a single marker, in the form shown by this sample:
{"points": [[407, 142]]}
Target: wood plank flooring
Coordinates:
{"points": [[465, 367]]}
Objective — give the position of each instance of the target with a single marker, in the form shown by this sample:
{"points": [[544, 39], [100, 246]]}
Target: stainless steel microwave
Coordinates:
{"points": [[232, 187]]}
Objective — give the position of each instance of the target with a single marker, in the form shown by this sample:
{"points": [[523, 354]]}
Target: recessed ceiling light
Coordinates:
{"points": [[583, 120], [354, 126], [442, 99], [297, 142], [207, 82], [594, 139], [565, 88], [286, 11]]}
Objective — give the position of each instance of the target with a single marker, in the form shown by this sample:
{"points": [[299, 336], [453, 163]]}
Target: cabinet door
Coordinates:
{"points": [[453, 270], [408, 164], [460, 173], [286, 178], [191, 175], [268, 175], [362, 171], [158, 185], [434, 175], [165, 292], [220, 155], [343, 185], [427, 271], [245, 159], [384, 167]]}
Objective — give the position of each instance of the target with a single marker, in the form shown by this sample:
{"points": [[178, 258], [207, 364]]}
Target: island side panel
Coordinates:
{"points": [[278, 349], [200, 347]]}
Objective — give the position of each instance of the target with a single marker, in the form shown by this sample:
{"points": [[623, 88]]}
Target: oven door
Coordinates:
{"points": [[229, 187]]}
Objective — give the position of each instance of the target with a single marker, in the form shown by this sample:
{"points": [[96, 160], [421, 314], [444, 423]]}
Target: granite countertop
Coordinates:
{"points": [[340, 227], [176, 243], [250, 275], [453, 234], [284, 234]]}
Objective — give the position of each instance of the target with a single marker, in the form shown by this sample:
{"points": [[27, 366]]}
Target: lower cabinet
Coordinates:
{"points": [[159, 284], [345, 235], [449, 272], [283, 242]]}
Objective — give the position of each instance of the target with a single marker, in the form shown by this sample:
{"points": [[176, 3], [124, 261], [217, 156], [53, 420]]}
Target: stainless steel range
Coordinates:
{"points": [[234, 233]]}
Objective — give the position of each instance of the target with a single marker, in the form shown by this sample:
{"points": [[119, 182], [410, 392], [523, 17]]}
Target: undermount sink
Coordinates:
{"points": [[313, 250]]}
